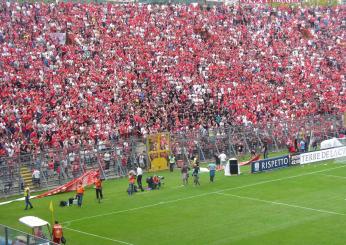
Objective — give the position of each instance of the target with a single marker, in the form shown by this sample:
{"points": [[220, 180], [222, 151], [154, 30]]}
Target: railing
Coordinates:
{"points": [[57, 166], [12, 236]]}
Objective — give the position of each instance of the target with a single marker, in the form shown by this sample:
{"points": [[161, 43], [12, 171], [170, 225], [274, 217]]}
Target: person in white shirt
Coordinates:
{"points": [[223, 159], [139, 178], [36, 177], [171, 158], [107, 160]]}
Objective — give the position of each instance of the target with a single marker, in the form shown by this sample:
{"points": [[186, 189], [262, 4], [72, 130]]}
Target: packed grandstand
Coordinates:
{"points": [[77, 73]]}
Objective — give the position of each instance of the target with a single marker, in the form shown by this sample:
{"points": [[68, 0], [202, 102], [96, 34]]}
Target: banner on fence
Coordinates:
{"points": [[270, 163], [295, 159], [87, 179], [317, 156]]}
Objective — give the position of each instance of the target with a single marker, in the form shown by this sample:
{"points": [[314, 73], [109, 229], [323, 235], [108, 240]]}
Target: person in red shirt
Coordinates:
{"points": [[57, 233], [80, 193], [98, 188]]}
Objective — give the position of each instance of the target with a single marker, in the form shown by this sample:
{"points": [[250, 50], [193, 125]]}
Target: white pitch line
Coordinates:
{"points": [[282, 203], [102, 237], [334, 176], [204, 194]]}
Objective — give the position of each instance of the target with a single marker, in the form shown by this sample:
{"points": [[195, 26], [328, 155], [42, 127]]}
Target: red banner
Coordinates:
{"points": [[255, 158], [86, 179]]}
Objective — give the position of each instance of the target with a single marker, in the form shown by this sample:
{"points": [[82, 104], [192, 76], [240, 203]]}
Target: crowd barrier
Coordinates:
{"points": [[298, 159]]}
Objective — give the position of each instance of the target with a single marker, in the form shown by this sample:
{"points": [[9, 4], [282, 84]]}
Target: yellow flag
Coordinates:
{"points": [[51, 207]]}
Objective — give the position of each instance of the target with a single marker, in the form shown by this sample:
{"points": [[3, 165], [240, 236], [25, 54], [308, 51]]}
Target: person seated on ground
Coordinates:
{"points": [[150, 183], [154, 182], [157, 182]]}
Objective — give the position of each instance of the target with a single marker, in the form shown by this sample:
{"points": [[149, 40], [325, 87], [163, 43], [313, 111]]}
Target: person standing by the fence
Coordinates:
{"points": [[223, 160], [98, 188], [171, 162], [27, 197], [195, 174], [107, 160], [185, 174], [132, 179], [212, 170], [302, 146], [139, 177], [36, 177], [217, 161], [265, 150], [80, 193]]}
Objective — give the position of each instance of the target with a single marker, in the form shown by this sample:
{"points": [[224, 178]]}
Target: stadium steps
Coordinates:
{"points": [[27, 177]]}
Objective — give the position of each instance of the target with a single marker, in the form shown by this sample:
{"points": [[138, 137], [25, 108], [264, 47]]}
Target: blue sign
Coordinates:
{"points": [[270, 163]]}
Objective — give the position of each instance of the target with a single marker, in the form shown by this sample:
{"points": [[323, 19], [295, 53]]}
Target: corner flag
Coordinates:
{"points": [[51, 208]]}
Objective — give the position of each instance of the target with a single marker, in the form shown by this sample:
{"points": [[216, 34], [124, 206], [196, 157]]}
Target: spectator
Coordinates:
{"points": [[36, 179], [265, 149], [223, 160], [314, 144], [302, 146], [107, 160], [109, 76], [217, 161], [172, 162]]}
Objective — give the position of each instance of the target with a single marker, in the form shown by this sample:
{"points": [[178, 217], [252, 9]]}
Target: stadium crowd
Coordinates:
{"points": [[73, 73]]}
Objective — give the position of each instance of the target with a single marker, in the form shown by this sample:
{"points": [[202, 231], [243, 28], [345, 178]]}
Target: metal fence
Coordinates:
{"points": [[115, 157], [10, 236], [239, 140]]}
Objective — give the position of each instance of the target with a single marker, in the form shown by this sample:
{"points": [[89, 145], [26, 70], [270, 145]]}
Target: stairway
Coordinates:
{"points": [[27, 177]]}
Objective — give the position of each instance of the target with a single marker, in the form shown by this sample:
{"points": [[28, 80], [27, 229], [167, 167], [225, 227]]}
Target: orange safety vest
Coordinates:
{"points": [[98, 184], [80, 190], [132, 179], [57, 231]]}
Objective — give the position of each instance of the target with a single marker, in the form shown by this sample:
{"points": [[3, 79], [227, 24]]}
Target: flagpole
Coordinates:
{"points": [[51, 208]]}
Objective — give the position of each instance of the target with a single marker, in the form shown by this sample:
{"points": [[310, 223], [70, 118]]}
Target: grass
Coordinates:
{"points": [[297, 205]]}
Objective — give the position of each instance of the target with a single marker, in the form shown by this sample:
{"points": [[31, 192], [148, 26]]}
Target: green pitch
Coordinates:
{"points": [[296, 205]]}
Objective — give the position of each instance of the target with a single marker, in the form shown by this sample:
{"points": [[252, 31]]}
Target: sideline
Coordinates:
{"points": [[200, 195], [101, 237], [334, 176], [281, 203], [16, 200]]}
